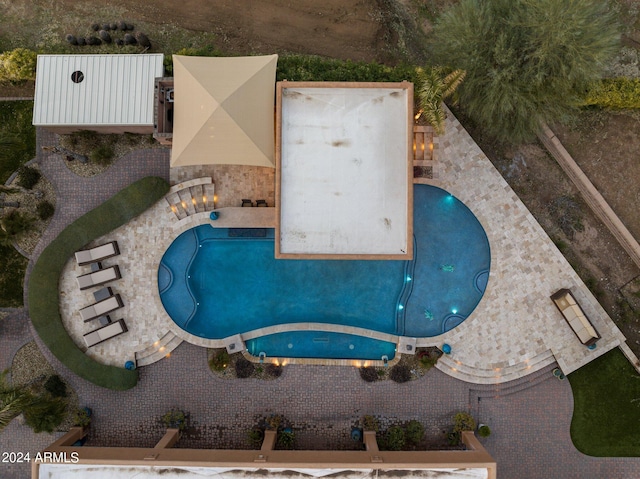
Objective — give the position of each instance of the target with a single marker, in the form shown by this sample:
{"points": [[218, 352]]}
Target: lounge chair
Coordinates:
{"points": [[101, 308], [109, 331], [98, 277], [574, 315], [98, 253], [247, 203], [261, 203]]}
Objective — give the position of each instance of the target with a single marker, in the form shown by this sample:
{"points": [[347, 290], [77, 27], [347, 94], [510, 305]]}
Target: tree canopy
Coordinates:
{"points": [[527, 61]]}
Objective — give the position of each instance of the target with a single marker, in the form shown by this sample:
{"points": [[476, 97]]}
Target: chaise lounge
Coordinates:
{"points": [[101, 308], [98, 253], [99, 277], [574, 315], [109, 331]]}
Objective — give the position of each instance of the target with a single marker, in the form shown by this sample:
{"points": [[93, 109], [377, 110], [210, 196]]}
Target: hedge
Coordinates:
{"points": [[615, 94], [44, 308]]}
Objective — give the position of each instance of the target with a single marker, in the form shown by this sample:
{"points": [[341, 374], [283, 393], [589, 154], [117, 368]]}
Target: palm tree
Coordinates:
{"points": [[434, 88], [13, 401], [9, 145]]}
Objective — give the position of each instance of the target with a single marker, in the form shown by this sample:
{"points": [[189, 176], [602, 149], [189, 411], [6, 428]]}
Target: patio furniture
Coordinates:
{"points": [[97, 266], [99, 277], [101, 308], [98, 253], [261, 203], [247, 202], [575, 316], [109, 331]]}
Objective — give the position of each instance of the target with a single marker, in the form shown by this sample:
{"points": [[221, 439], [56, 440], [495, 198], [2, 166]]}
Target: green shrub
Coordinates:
{"points": [[244, 368], [370, 423], [255, 436], [18, 65], [46, 415], [369, 374], [400, 373], [484, 431], [102, 155], [175, 419], [43, 281], [45, 210], [56, 386], [614, 94], [28, 177], [463, 421], [15, 223], [82, 417], [394, 439], [220, 360], [286, 439], [415, 432]]}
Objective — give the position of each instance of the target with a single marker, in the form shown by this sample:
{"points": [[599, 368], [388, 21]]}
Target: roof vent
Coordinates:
{"points": [[77, 76]]}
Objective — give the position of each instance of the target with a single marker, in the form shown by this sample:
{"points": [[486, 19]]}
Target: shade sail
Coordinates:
{"points": [[224, 110]]}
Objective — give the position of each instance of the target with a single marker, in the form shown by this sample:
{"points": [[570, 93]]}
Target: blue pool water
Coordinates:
{"points": [[217, 282], [320, 344]]}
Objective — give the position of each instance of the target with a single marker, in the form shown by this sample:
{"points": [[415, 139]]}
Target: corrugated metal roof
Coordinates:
{"points": [[115, 90]]}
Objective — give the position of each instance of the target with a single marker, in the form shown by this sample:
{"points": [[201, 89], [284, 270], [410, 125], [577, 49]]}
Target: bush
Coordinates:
{"points": [[370, 423], [15, 224], [244, 368], [56, 386], [46, 415], [394, 439], [28, 177], [18, 65], [143, 40], [614, 93], [415, 432], [82, 417], [484, 431], [255, 436], [274, 370], [463, 421], [219, 361], [286, 439], [45, 210], [400, 373], [102, 155], [175, 419], [369, 374]]}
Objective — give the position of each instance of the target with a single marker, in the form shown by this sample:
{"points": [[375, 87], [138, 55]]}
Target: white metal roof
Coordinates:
{"points": [[344, 184], [115, 89]]}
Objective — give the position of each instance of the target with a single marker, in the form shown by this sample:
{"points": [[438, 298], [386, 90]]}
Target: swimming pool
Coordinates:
{"points": [[217, 282]]}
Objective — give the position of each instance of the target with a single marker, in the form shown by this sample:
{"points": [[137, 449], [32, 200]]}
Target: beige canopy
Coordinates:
{"points": [[224, 110]]}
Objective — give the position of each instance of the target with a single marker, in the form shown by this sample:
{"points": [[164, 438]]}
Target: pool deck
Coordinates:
{"points": [[515, 330]]}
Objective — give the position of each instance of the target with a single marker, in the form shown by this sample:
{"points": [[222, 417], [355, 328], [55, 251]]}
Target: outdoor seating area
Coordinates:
{"points": [[575, 316], [99, 253], [249, 203]]}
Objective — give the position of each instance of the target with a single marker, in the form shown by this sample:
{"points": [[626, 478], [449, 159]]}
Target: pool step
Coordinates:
{"points": [[497, 375], [195, 196], [158, 350]]}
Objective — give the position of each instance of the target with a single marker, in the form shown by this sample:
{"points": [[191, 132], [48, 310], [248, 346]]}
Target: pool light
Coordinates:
{"points": [[400, 307], [408, 278], [454, 311]]}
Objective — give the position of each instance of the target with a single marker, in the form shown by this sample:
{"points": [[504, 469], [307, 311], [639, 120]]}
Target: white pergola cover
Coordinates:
{"points": [[224, 110]]}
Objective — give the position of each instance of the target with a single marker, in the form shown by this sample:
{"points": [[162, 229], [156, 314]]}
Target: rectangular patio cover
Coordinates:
{"points": [[224, 110]]}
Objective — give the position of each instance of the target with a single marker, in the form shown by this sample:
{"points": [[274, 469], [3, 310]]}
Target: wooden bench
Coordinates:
{"points": [[575, 316]]}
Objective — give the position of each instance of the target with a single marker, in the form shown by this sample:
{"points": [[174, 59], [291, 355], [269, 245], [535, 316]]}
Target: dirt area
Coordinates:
{"points": [[347, 29]]}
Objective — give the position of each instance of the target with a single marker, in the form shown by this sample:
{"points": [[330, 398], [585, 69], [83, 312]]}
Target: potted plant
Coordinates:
{"points": [[484, 430]]}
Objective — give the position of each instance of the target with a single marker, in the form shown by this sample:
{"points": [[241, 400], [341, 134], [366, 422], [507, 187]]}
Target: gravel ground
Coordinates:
{"points": [[30, 368], [29, 200]]}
